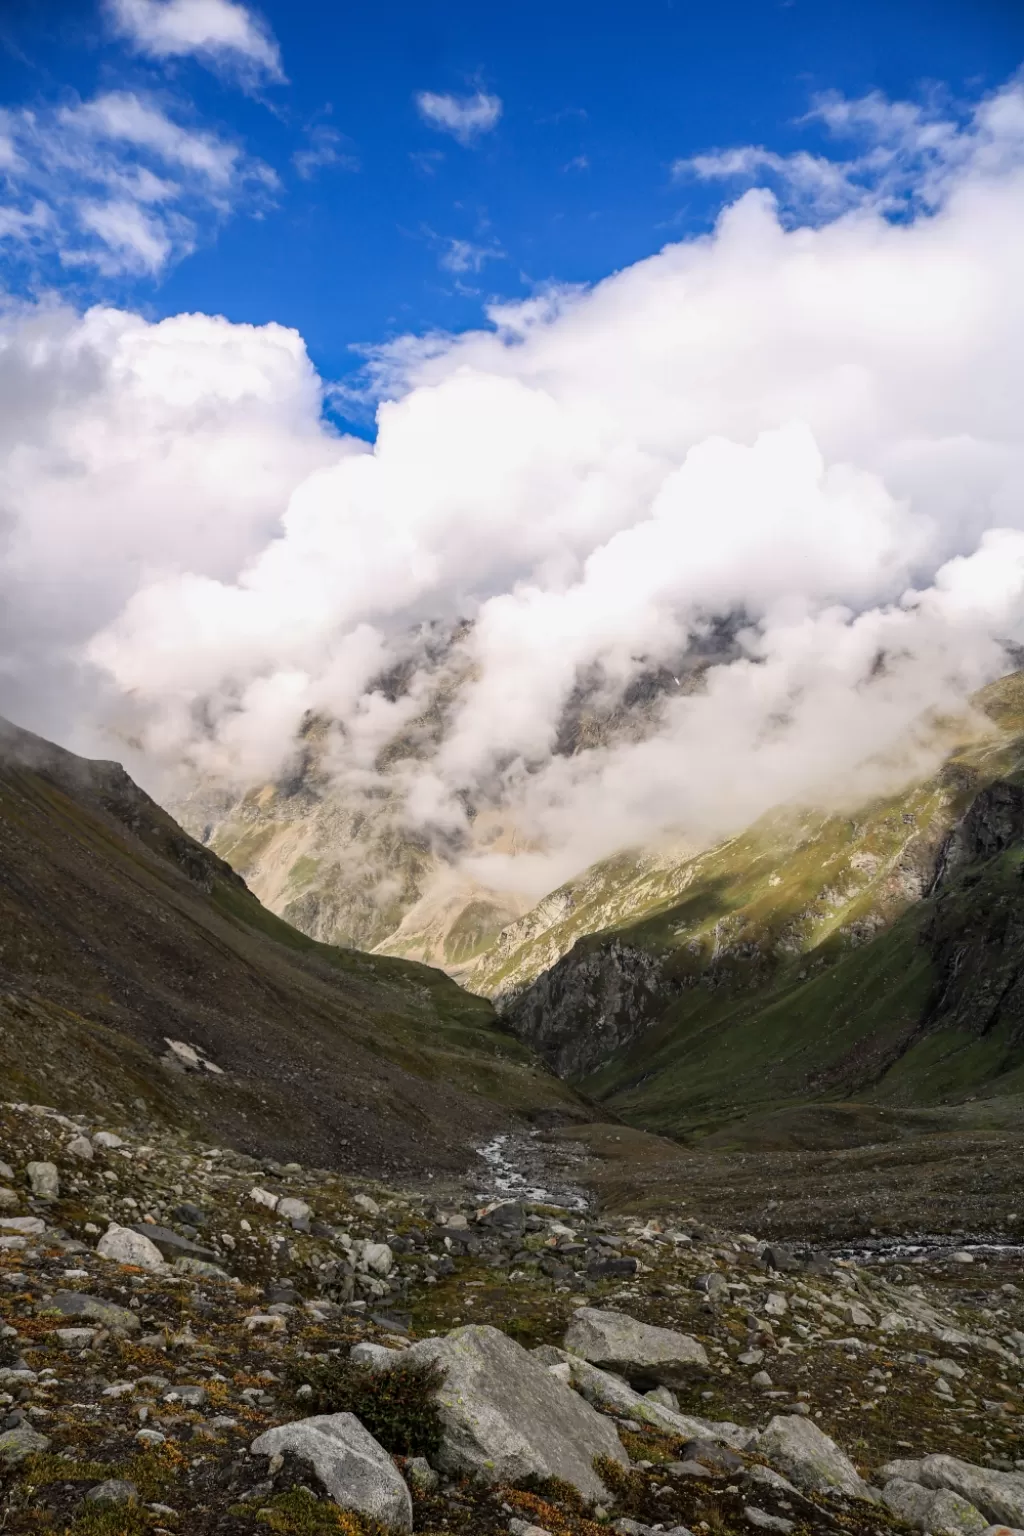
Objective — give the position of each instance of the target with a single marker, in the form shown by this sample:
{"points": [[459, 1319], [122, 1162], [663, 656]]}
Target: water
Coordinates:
{"points": [[922, 1246], [521, 1168]]}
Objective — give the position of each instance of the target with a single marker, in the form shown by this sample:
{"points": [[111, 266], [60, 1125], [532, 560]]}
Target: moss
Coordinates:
{"points": [[299, 1513]]}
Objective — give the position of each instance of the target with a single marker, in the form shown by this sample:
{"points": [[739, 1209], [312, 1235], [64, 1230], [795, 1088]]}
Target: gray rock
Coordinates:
{"points": [[44, 1180], [116, 1490], [172, 1245], [78, 1304], [107, 1140], [378, 1259], [81, 1147], [807, 1455], [74, 1338], [999, 1495], [616, 1396], [23, 1226], [123, 1245], [356, 1471], [296, 1212], [375, 1356], [635, 1350], [506, 1417], [201, 1268], [6, 1172], [935, 1510], [420, 1474], [16, 1444], [763, 1521]]}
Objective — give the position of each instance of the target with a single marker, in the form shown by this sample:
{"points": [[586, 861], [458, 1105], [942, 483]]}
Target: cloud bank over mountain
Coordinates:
{"points": [[807, 420]]}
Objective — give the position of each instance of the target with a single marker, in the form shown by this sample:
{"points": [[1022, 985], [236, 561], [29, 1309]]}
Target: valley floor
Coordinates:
{"points": [[134, 1380]]}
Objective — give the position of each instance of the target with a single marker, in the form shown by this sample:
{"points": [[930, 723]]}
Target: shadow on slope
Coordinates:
{"points": [[119, 934]]}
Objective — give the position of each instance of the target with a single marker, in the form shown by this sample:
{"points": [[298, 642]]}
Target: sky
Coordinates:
{"points": [[353, 215], [323, 333]]}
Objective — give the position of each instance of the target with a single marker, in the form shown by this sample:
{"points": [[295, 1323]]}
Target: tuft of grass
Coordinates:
{"points": [[397, 1406]]}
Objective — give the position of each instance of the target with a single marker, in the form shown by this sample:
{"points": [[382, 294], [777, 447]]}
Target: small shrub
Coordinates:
{"points": [[398, 1406]]}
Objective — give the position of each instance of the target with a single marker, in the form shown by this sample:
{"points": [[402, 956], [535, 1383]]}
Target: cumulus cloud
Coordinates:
{"points": [[220, 33], [117, 184], [464, 117], [803, 432]]}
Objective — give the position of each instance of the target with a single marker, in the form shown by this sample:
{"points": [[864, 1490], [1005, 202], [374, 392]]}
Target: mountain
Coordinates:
{"points": [[137, 968], [814, 959], [327, 844]]}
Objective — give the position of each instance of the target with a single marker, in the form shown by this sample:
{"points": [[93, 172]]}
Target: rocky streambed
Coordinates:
{"points": [[193, 1341]]}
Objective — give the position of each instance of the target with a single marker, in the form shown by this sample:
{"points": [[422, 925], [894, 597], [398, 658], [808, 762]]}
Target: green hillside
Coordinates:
{"points": [[805, 960]]}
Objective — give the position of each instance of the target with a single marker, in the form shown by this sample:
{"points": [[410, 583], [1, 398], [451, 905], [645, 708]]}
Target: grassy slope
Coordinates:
{"points": [[118, 931], [794, 960]]}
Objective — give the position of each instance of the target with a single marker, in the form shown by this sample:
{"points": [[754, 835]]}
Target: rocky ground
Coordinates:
{"points": [[178, 1323]]}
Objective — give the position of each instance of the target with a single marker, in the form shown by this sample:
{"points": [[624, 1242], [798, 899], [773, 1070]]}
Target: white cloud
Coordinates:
{"points": [[464, 117], [119, 185], [219, 33], [323, 150], [906, 155], [811, 429], [466, 256]]}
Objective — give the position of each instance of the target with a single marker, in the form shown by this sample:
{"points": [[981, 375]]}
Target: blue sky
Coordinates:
{"points": [[353, 215]]}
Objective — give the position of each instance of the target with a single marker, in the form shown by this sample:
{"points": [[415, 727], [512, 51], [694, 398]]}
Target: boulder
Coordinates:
{"points": [[23, 1226], [376, 1356], [378, 1259], [936, 1510], [353, 1468], [44, 1181], [122, 1245], [506, 1417], [999, 1495], [804, 1453], [635, 1350], [21, 1442], [617, 1396], [106, 1313], [173, 1246], [116, 1490], [296, 1212], [81, 1147]]}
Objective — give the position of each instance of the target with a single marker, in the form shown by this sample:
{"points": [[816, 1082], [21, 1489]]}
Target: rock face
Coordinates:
{"points": [[611, 1393], [613, 987], [123, 1246], [646, 1356], [356, 1471], [506, 1417], [994, 821], [998, 1495], [799, 1449], [930, 1510]]}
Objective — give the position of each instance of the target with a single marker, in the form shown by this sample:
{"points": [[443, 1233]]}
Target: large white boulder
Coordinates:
{"points": [[353, 1468], [806, 1455], [123, 1246], [999, 1495], [507, 1418], [635, 1350]]}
